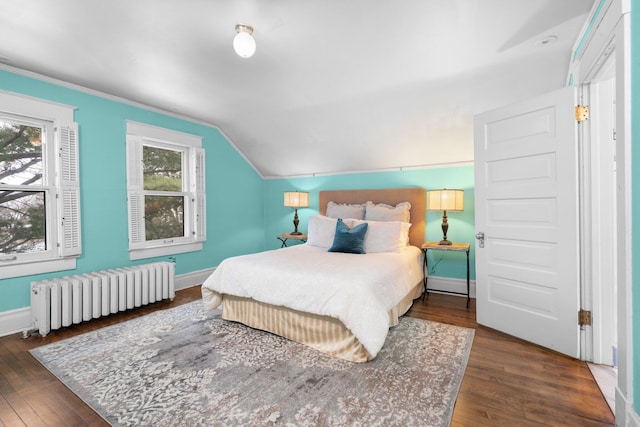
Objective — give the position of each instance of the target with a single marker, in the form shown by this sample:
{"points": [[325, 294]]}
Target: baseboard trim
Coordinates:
{"points": [[625, 413], [15, 321], [194, 278], [633, 419], [18, 320], [434, 283]]}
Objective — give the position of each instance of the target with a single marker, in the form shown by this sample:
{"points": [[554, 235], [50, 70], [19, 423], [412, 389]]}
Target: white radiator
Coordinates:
{"points": [[56, 303]]}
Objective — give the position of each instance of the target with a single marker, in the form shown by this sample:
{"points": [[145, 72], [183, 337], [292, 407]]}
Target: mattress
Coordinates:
{"points": [[357, 290]]}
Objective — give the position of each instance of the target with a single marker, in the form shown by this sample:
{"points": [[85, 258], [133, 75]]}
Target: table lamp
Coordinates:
{"points": [[445, 200], [296, 199]]}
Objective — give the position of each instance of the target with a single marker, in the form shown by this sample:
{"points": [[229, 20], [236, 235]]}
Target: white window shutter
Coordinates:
{"points": [[201, 218], [198, 167], [135, 196], [134, 163], [70, 240], [200, 196], [136, 220], [68, 155]]}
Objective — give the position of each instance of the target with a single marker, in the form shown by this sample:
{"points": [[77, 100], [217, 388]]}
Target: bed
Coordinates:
{"points": [[339, 303]]}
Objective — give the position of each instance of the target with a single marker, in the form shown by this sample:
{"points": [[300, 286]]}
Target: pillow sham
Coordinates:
{"points": [[321, 231], [382, 212], [385, 236], [349, 240], [337, 210]]}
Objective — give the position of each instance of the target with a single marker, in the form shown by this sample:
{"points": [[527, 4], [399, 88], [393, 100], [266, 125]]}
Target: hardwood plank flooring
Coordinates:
{"points": [[508, 382]]}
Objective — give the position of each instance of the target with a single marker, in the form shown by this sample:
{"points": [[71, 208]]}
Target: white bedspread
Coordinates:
{"points": [[359, 290]]}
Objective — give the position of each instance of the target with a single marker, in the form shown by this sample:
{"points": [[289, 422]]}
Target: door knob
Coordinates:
{"points": [[480, 237]]}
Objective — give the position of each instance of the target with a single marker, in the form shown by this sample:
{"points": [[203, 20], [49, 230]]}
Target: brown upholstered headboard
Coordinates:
{"points": [[390, 196]]}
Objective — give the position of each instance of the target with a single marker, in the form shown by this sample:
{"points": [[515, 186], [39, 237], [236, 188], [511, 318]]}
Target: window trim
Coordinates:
{"points": [[138, 135], [62, 182], [46, 186]]}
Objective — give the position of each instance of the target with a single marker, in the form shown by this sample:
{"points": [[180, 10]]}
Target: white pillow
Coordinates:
{"points": [[336, 210], [385, 236], [321, 231], [382, 212]]}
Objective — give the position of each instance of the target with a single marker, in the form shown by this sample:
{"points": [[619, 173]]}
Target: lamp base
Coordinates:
{"points": [[296, 221], [445, 227]]}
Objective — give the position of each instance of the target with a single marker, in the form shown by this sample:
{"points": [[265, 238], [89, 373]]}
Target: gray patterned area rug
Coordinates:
{"points": [[186, 367]]}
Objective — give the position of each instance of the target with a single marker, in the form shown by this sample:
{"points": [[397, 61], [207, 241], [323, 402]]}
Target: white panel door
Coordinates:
{"points": [[526, 194]]}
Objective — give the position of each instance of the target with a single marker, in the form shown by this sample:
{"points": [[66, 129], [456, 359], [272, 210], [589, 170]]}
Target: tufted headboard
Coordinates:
{"points": [[390, 196]]}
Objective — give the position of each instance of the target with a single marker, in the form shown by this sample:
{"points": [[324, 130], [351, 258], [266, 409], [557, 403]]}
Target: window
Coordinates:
{"points": [[39, 187], [166, 192]]}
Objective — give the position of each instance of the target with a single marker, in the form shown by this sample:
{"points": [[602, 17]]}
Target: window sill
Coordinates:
{"points": [[37, 267], [163, 251]]}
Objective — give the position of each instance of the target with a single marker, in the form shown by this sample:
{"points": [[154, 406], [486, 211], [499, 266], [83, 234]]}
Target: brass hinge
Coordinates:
{"points": [[584, 317], [582, 113]]}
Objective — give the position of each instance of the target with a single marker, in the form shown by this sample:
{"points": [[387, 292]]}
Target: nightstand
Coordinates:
{"points": [[454, 247], [288, 236]]}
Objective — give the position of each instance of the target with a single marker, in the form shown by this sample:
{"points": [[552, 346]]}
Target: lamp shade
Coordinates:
{"points": [[296, 199], [445, 200]]}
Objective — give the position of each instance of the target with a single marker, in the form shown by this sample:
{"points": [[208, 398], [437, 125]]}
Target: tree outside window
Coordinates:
{"points": [[22, 199], [164, 213]]}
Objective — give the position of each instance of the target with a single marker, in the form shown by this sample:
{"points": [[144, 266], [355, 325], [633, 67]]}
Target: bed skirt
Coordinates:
{"points": [[322, 333]]}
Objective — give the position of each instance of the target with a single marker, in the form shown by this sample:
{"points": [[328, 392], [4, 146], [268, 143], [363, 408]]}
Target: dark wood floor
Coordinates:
{"points": [[508, 382]]}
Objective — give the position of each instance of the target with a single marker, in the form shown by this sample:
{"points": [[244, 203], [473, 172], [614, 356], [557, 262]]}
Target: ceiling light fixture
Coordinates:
{"points": [[243, 42]]}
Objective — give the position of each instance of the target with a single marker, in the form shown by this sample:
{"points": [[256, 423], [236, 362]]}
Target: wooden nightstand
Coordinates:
{"points": [[454, 247], [288, 236]]}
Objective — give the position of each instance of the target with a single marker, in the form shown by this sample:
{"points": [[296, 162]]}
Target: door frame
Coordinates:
{"points": [[598, 219], [607, 32]]}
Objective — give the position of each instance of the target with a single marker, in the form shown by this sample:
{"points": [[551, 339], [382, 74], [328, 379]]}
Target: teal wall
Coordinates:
{"points": [[635, 202], [279, 219], [234, 221], [244, 212]]}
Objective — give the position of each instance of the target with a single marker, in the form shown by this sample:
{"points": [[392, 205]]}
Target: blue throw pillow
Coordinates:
{"points": [[349, 240]]}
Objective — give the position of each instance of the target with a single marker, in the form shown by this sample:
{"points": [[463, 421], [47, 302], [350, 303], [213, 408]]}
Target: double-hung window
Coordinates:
{"points": [[39, 187], [166, 191]]}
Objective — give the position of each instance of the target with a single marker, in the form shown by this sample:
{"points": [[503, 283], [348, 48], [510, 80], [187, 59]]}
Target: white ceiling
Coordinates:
{"points": [[334, 86]]}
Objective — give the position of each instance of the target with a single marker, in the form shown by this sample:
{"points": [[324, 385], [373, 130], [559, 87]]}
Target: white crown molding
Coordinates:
{"points": [[119, 99], [394, 169]]}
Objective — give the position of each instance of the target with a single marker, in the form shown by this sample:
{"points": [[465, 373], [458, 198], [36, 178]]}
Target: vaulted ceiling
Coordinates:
{"points": [[334, 86]]}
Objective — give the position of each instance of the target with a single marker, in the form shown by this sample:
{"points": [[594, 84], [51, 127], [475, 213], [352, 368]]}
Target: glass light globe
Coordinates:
{"points": [[244, 44]]}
